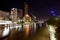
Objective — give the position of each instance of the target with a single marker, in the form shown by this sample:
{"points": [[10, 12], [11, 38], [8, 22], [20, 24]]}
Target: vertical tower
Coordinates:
{"points": [[14, 14], [26, 17], [20, 13], [6, 15], [26, 8]]}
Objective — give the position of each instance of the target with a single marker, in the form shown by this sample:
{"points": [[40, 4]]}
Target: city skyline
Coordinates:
{"points": [[38, 8], [29, 19]]}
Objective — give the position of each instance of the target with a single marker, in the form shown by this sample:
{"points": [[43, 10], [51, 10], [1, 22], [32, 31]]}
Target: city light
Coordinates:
{"points": [[52, 32], [17, 22], [27, 15], [52, 11], [53, 14], [5, 32], [27, 28]]}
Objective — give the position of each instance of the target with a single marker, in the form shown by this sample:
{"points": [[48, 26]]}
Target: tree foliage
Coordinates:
{"points": [[53, 21]]}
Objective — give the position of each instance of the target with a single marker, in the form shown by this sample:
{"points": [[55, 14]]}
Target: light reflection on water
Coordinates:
{"points": [[28, 32]]}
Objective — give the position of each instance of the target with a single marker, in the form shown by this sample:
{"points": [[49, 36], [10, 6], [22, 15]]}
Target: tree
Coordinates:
{"points": [[53, 21]]}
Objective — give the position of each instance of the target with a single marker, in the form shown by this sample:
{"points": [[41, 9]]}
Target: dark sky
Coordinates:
{"points": [[37, 7]]}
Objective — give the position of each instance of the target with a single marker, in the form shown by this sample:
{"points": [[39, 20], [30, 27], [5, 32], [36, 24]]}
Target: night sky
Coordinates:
{"points": [[40, 8]]}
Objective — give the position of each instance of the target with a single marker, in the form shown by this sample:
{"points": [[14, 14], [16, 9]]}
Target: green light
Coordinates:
{"points": [[56, 19]]}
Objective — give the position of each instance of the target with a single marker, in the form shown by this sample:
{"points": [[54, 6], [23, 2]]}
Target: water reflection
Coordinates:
{"points": [[26, 32], [5, 32]]}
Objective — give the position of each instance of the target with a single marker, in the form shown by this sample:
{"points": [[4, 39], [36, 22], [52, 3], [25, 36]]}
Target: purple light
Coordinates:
{"points": [[52, 11], [53, 14]]}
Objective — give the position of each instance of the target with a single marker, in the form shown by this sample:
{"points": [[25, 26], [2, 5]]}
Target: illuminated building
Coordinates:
{"points": [[27, 20], [3, 15], [26, 17], [20, 13], [6, 17], [14, 14], [26, 8]]}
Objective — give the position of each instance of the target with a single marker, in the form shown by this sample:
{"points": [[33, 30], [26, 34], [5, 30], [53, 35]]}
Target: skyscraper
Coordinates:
{"points": [[14, 14], [26, 20], [20, 13], [26, 16], [26, 8]]}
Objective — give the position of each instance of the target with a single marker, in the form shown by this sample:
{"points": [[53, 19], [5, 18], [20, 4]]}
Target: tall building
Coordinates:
{"points": [[1, 15], [14, 14], [26, 8], [4, 15], [20, 13], [26, 17]]}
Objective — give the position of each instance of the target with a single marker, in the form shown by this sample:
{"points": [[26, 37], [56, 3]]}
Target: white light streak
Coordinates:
{"points": [[5, 32], [52, 32]]}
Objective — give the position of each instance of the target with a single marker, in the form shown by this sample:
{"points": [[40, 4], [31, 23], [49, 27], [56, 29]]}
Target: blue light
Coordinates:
{"points": [[52, 11], [53, 14]]}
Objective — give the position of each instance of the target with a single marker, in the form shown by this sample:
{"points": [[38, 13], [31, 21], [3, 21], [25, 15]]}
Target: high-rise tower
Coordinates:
{"points": [[20, 13], [26, 17], [14, 14], [26, 8]]}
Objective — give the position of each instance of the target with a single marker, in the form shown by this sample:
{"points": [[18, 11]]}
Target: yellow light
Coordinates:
{"points": [[27, 30], [27, 15]]}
